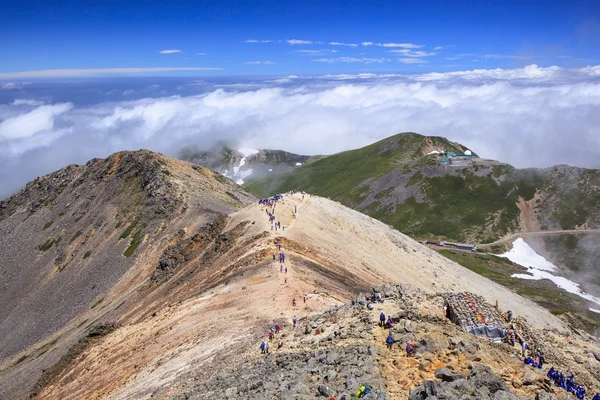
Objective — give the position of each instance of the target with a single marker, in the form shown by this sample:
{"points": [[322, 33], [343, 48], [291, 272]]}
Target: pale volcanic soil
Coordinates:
{"points": [[332, 253]]}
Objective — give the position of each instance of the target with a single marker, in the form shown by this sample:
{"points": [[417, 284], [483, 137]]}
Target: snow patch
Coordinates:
{"points": [[538, 268], [594, 310], [270, 169], [434, 152], [298, 163]]}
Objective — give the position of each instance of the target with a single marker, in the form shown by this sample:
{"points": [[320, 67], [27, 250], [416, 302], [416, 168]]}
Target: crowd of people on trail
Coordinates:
{"points": [[537, 361], [270, 201], [568, 384]]}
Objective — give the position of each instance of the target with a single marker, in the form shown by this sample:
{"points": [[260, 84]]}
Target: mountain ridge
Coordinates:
{"points": [[201, 286]]}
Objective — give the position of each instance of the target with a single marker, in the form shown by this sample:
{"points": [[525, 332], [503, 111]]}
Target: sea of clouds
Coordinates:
{"points": [[529, 117]]}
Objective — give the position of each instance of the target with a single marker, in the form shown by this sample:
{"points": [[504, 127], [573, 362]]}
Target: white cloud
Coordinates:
{"points": [[314, 52], [363, 60], [58, 73], [257, 41], [27, 102], [403, 45], [259, 62], [298, 41], [367, 44], [11, 85], [506, 56], [519, 116], [412, 60], [28, 124], [436, 48], [343, 44], [170, 51], [410, 53]]}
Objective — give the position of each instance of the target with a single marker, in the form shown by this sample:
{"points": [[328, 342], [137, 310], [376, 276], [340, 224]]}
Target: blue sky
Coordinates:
{"points": [[294, 37]]}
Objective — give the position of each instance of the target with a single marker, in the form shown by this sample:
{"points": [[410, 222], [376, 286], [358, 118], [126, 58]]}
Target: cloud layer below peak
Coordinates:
{"points": [[530, 116]]}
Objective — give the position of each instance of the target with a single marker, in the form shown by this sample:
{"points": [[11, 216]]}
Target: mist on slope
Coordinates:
{"points": [[530, 116]]}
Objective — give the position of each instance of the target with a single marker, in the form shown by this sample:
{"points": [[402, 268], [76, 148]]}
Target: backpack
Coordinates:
{"points": [[389, 340], [382, 317]]}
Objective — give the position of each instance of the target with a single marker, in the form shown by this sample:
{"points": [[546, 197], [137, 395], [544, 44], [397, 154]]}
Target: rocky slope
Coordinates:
{"points": [[183, 314], [71, 238]]}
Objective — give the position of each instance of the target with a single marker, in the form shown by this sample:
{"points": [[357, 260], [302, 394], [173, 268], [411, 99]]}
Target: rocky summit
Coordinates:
{"points": [[139, 276]]}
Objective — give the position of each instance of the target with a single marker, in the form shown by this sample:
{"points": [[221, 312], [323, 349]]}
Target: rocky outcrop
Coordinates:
{"points": [[480, 384]]}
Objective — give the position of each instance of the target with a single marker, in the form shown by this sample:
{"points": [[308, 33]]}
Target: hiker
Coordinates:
{"points": [[271, 334], [363, 391], [277, 327], [410, 350], [304, 299], [389, 341], [266, 348], [524, 348], [597, 396], [378, 297], [381, 319], [286, 270], [280, 344], [294, 320], [509, 315], [281, 268], [273, 257], [294, 302], [541, 361], [389, 322], [262, 346], [285, 280]]}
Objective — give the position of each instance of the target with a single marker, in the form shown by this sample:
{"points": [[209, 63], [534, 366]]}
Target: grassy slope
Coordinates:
{"points": [[456, 207]]}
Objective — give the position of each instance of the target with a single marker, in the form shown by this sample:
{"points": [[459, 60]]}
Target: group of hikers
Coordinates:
{"points": [[264, 346], [568, 384], [270, 201], [387, 323], [537, 361]]}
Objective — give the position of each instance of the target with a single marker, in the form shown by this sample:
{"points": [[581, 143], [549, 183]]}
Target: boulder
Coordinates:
{"points": [[504, 395], [399, 338], [408, 326], [323, 390], [447, 375], [431, 345], [466, 346], [482, 376], [529, 377], [545, 396]]}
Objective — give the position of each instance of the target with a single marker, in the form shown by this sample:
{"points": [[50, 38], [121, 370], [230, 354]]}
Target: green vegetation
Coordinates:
{"points": [[62, 213], [48, 224], [392, 180], [87, 254], [21, 359], [118, 225], [49, 243], [137, 238], [128, 230], [82, 323], [75, 236], [96, 304]]}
